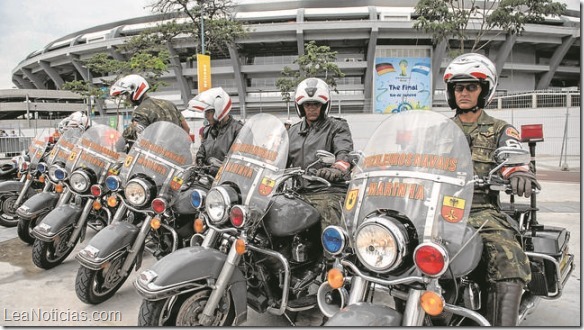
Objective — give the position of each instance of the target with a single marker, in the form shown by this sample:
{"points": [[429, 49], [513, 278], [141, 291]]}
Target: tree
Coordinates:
{"points": [[451, 19], [318, 61]]}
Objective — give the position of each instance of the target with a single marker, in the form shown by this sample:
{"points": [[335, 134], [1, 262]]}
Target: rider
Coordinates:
{"points": [[318, 131], [471, 80], [148, 110], [222, 129]]}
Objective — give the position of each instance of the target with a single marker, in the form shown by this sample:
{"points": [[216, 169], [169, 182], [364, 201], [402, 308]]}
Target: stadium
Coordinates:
{"points": [[367, 34]]}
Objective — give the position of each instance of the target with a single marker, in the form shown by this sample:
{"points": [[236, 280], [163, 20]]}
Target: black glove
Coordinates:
{"points": [[522, 182], [199, 162], [213, 170], [330, 174]]}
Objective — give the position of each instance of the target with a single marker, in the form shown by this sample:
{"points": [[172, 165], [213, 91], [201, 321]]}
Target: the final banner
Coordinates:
{"points": [[402, 83], [204, 72]]}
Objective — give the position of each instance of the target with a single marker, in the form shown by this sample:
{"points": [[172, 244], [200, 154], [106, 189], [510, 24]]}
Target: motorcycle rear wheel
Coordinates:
{"points": [[185, 311], [47, 255], [8, 217], [96, 286]]}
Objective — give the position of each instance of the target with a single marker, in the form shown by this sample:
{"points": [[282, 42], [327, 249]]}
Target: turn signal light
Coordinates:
{"points": [[335, 278], [240, 246], [432, 303], [42, 179], [96, 205], [155, 223], [112, 201], [59, 188], [199, 226], [28, 176]]}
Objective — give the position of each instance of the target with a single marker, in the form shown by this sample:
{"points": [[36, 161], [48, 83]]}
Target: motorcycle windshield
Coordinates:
{"points": [[62, 149], [161, 153], [256, 159], [97, 149], [417, 163], [38, 146]]}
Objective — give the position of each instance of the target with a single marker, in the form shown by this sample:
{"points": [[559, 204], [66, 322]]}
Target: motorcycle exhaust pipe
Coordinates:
{"points": [[330, 301]]}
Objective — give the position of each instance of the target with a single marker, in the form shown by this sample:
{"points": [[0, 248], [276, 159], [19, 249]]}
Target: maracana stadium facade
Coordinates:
{"points": [[374, 40]]}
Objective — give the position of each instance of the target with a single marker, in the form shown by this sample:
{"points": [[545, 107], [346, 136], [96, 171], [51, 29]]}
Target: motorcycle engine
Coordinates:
{"points": [[300, 249]]}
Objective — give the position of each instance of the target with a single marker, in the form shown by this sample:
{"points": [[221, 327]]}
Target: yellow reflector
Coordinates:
{"points": [[432, 303], [59, 188], [112, 201], [155, 223], [199, 226], [96, 205], [335, 278], [42, 179], [240, 246], [29, 177]]}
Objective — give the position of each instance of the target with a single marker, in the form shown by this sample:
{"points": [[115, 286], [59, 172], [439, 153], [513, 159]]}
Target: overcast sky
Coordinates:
{"points": [[29, 25]]}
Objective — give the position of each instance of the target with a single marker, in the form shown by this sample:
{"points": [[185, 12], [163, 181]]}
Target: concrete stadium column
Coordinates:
{"points": [[300, 31], [115, 54], [504, 52], [437, 56], [185, 91], [53, 74], [557, 57], [21, 83], [368, 83], [83, 71], [241, 87], [33, 78]]}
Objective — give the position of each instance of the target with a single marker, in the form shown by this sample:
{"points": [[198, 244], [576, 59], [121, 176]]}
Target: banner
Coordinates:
{"points": [[204, 72], [402, 83]]}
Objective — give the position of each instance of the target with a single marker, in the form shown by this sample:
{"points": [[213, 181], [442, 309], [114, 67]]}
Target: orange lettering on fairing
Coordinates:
{"points": [[396, 189], [411, 160]]}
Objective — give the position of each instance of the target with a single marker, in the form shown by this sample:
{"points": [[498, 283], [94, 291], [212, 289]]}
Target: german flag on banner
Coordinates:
{"points": [[383, 68]]}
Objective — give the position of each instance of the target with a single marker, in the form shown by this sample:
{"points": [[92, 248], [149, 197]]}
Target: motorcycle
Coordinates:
{"points": [[45, 152], [9, 170], [258, 249], [406, 232], [86, 168], [155, 185], [14, 192]]}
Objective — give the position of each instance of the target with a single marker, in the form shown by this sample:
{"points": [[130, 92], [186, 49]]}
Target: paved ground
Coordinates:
{"points": [[29, 291]]}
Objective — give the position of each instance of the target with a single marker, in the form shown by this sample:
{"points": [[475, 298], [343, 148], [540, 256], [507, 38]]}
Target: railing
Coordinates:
{"points": [[12, 146]]}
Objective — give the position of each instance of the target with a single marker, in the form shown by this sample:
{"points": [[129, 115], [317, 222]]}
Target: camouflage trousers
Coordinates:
{"points": [[329, 205], [502, 253]]}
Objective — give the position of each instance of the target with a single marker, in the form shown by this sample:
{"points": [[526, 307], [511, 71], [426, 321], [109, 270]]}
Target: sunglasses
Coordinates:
{"points": [[469, 87]]}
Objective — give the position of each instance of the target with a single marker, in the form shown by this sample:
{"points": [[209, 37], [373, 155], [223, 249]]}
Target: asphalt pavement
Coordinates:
{"points": [[31, 296]]}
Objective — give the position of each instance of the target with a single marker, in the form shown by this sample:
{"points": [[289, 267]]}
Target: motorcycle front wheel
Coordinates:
{"points": [[96, 286], [25, 227], [47, 255], [186, 310], [8, 217]]}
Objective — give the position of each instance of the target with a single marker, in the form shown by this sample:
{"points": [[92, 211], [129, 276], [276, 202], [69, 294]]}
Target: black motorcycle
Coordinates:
{"points": [[45, 154], [155, 186], [406, 232], [96, 151], [9, 170], [260, 246]]}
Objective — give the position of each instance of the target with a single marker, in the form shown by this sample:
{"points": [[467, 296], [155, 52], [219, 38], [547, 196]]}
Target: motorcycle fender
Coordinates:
{"points": [[106, 244], [178, 271], [56, 221], [14, 187], [38, 203], [364, 314]]}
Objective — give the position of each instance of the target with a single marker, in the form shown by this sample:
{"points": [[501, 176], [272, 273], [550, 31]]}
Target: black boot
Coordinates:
{"points": [[503, 303]]}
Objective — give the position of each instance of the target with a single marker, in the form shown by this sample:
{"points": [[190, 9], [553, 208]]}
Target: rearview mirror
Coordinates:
{"points": [[512, 156], [325, 157]]}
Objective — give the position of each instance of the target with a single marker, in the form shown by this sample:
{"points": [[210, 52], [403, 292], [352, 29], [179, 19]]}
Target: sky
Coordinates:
{"points": [[29, 25]]}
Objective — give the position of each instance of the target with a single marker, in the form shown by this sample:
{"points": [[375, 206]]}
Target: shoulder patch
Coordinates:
{"points": [[512, 132]]}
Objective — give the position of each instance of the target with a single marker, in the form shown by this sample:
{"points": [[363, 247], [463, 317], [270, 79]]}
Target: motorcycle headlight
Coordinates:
{"points": [[57, 173], [137, 192], [333, 240], [80, 181], [112, 182], [217, 204], [41, 167], [380, 244]]}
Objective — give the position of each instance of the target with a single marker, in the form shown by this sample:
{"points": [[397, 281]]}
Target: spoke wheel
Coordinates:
{"points": [[96, 286], [47, 255], [8, 217]]}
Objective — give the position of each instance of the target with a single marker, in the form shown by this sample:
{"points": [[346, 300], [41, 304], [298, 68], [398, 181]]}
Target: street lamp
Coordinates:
{"points": [[261, 101]]}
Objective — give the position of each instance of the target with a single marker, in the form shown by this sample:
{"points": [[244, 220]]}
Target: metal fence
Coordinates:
{"points": [[12, 146]]}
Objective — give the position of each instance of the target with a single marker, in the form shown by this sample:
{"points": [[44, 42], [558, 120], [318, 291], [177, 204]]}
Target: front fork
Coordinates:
{"points": [[80, 225], [22, 193], [137, 246]]}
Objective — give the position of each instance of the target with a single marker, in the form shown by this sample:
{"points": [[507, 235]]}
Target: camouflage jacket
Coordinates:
{"points": [[150, 111]]}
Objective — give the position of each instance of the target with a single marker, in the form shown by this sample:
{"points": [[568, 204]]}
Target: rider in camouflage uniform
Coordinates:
{"points": [[471, 80], [148, 110], [318, 131]]}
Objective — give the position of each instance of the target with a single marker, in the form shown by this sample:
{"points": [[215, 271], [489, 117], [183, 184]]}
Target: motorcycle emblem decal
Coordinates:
{"points": [[72, 155], [113, 171], [176, 183], [452, 208], [351, 199], [128, 161], [512, 132], [266, 186]]}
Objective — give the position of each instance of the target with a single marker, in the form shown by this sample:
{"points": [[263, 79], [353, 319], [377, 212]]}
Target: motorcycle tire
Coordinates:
{"points": [[46, 255], [185, 310], [8, 217], [25, 228], [96, 286]]}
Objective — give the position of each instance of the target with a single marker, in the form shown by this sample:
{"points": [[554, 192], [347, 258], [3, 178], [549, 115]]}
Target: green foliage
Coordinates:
{"points": [[451, 19], [318, 61]]}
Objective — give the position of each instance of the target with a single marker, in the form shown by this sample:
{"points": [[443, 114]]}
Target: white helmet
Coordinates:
{"points": [[471, 67], [132, 84], [75, 120], [212, 99], [312, 90]]}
